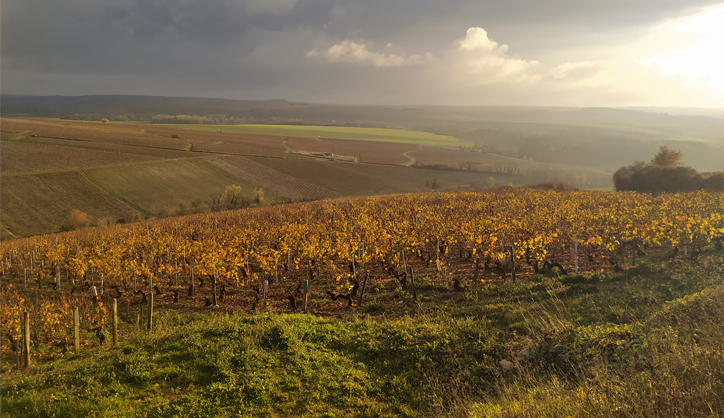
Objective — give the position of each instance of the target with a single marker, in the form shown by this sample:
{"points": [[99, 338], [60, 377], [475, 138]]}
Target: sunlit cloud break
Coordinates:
{"points": [[691, 46], [475, 58]]}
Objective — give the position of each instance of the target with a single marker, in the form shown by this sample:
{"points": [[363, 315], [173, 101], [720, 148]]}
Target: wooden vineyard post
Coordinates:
{"points": [[477, 269], [448, 249], [193, 265], [76, 330], [364, 285], [57, 267], [26, 339], [306, 294], [404, 263], [115, 321], [512, 263], [437, 254], [412, 281], [276, 271], [19, 357], [150, 311], [213, 290], [575, 252], [26, 278]]}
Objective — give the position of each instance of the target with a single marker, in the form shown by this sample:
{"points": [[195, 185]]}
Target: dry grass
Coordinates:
{"points": [[673, 367]]}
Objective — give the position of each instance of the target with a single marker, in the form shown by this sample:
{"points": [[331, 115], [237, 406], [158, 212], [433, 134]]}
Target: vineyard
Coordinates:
{"points": [[323, 256]]}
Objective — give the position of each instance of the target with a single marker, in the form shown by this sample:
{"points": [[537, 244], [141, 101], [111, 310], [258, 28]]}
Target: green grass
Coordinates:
{"points": [[340, 132], [646, 342]]}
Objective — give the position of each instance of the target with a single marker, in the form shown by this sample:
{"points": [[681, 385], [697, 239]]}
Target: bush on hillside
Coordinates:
{"points": [[76, 219], [665, 173]]}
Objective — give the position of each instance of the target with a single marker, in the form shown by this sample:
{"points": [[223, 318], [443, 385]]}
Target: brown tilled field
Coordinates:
{"points": [[272, 181], [455, 158], [230, 143], [28, 156], [367, 152], [127, 134], [164, 185], [368, 179], [144, 135]]}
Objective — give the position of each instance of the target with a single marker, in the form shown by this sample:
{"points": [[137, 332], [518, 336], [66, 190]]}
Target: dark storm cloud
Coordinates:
{"points": [[233, 47], [82, 35]]}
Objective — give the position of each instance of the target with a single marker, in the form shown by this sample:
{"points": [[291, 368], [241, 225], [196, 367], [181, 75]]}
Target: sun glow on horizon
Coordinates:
{"points": [[691, 46]]}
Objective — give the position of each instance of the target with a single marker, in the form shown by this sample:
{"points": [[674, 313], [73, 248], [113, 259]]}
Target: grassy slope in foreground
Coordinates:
{"points": [[647, 342], [340, 132]]}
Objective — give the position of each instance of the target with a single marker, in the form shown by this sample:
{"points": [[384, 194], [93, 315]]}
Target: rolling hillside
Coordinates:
{"points": [[120, 172]]}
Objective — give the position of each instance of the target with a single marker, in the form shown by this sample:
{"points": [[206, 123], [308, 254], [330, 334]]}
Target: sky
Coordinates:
{"points": [[389, 52]]}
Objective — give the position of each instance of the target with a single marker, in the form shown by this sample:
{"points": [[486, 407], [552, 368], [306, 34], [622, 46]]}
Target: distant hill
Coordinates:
{"points": [[681, 124], [144, 108], [600, 138]]}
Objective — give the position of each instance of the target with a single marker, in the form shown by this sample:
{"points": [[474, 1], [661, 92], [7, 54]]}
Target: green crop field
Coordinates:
{"points": [[339, 132]]}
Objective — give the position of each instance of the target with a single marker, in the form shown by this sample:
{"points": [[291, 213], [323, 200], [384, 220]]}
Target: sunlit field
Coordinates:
{"points": [[338, 132]]}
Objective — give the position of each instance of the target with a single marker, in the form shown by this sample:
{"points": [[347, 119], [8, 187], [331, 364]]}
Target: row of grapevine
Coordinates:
{"points": [[328, 243]]}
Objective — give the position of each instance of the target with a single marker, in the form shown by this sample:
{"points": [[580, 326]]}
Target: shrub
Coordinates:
{"points": [[76, 219]]}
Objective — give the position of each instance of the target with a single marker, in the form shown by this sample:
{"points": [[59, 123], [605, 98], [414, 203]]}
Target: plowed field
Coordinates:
{"points": [[277, 183], [164, 185], [367, 152], [35, 204]]}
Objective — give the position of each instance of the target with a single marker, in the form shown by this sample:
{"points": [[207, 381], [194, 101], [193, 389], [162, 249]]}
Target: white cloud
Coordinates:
{"points": [[477, 39], [474, 59], [483, 61], [359, 53]]}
